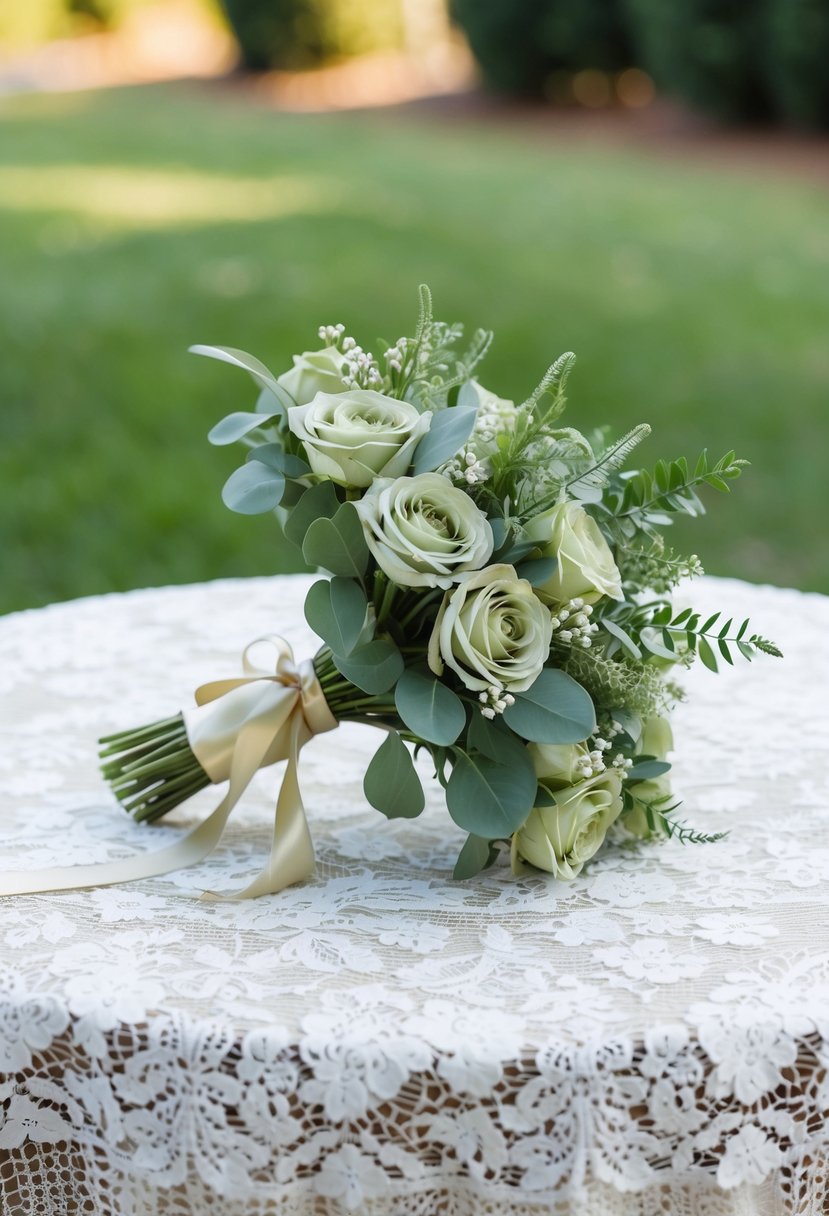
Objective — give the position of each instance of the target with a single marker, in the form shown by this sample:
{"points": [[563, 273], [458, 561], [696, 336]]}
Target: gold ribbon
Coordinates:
{"points": [[237, 727]]}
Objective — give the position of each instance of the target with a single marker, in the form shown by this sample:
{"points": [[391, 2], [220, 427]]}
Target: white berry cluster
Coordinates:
{"points": [[361, 370], [466, 466], [331, 334], [396, 355], [494, 701], [572, 624]]}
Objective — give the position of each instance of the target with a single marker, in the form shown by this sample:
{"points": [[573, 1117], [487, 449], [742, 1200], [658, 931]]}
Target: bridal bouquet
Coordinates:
{"points": [[497, 595]]}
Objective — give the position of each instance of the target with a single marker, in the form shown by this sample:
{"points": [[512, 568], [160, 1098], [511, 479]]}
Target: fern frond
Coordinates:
{"points": [[613, 459], [555, 377]]}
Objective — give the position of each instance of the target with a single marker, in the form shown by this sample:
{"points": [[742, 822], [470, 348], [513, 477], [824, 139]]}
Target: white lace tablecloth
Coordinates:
{"points": [[650, 1040]]}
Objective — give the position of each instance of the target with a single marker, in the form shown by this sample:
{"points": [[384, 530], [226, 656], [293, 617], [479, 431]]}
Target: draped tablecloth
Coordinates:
{"points": [[649, 1040]]}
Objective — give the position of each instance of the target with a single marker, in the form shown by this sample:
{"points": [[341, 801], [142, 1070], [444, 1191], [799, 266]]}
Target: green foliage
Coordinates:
{"points": [[644, 501], [429, 708], [337, 544], [476, 854], [336, 610], [521, 44], [447, 434], [796, 57], [317, 502], [708, 52], [391, 783], [488, 799], [555, 709], [700, 636], [375, 667], [296, 34], [253, 489]]}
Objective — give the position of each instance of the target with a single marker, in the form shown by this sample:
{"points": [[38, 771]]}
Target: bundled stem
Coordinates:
{"points": [[152, 769]]}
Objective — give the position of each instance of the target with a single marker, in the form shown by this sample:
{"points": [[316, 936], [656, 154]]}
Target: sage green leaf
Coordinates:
{"points": [[645, 770], [630, 723], [488, 799], [555, 709], [337, 544], [477, 854], [448, 432], [493, 738], [336, 610], [235, 426], [276, 458], [537, 571], [622, 636], [391, 783], [375, 667], [253, 489], [429, 709], [707, 655], [318, 502], [262, 375]]}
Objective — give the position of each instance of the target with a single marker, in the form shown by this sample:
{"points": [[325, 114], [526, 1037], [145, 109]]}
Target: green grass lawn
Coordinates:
{"points": [[135, 223]]}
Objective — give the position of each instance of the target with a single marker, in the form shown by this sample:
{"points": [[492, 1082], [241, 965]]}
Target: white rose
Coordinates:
{"points": [[585, 568], [562, 837], [423, 531], [314, 371], [354, 437], [491, 630], [559, 764]]}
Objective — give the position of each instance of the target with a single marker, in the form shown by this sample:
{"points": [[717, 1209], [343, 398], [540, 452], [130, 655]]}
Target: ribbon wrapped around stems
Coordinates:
{"points": [[237, 727]]}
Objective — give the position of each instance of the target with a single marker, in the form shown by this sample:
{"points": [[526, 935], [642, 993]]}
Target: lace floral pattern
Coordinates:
{"points": [[650, 1039]]}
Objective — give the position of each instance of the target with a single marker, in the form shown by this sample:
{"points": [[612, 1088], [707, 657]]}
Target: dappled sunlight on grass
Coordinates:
{"points": [[126, 198]]}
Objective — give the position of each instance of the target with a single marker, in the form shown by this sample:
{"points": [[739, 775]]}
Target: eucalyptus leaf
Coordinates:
{"points": [[236, 426], [645, 770], [336, 610], [276, 458], [477, 854], [253, 489], [630, 723], [488, 799], [448, 432], [429, 708], [555, 709], [622, 636], [337, 544], [391, 783], [262, 375], [493, 738], [375, 667], [538, 571], [319, 502]]}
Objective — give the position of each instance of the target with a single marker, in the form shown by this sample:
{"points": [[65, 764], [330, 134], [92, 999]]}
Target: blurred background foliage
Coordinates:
{"points": [[690, 279]]}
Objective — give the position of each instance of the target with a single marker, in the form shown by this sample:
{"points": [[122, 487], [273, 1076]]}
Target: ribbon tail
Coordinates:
{"points": [[192, 848], [292, 851]]}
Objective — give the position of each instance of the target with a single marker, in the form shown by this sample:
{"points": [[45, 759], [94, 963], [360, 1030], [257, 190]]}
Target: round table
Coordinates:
{"points": [[649, 1040]]}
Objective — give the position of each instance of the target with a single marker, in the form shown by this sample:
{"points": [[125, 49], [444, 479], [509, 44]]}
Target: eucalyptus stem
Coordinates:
{"points": [[152, 769]]}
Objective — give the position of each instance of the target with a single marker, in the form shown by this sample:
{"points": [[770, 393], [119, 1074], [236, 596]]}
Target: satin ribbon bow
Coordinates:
{"points": [[237, 727]]}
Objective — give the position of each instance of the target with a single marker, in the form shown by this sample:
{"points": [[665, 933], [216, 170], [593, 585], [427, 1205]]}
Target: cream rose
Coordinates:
{"points": [[314, 371], [491, 630], [558, 765], [422, 531], [354, 437], [585, 568], [562, 837]]}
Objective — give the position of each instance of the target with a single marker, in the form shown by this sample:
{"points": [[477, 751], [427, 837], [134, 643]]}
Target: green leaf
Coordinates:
{"points": [[630, 723], [448, 432], [391, 783], [263, 377], [488, 799], [555, 709], [336, 610], [235, 426], [253, 489], [276, 458], [538, 571], [619, 633], [493, 738], [650, 640], [645, 770], [337, 544], [320, 502], [477, 854], [375, 667], [429, 708], [707, 655]]}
